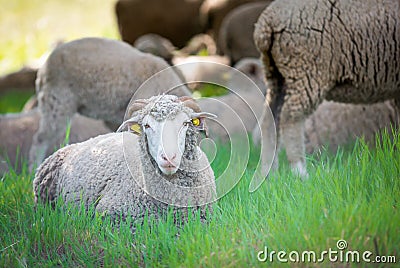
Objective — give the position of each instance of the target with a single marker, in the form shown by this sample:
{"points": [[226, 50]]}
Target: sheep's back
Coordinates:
{"points": [[100, 75], [330, 43], [93, 172]]}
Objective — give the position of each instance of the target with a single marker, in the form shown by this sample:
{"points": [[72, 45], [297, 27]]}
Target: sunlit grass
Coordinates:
{"points": [[352, 195], [29, 28]]}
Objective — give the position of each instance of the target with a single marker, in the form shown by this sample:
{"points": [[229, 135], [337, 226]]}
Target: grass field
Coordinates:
{"points": [[352, 195]]}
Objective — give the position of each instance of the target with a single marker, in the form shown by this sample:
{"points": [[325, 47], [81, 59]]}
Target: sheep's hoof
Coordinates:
{"points": [[299, 168]]}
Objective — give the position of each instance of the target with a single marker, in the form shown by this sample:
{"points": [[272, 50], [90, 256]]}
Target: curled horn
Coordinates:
{"points": [[190, 103], [136, 106]]}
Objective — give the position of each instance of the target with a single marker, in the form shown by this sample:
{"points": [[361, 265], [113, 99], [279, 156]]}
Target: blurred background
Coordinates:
{"points": [[29, 29], [179, 31]]}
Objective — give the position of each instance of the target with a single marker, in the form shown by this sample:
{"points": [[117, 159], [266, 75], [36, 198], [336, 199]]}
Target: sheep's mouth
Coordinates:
{"points": [[168, 169], [168, 166]]}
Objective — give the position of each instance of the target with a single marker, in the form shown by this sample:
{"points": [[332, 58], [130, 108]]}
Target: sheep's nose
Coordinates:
{"points": [[164, 157]]}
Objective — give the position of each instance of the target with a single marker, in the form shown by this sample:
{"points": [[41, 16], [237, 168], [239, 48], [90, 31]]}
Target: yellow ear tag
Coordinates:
{"points": [[196, 122], [136, 128]]}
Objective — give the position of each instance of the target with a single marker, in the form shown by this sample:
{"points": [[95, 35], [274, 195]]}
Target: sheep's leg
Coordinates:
{"points": [[292, 135], [292, 122], [273, 100], [397, 103], [269, 151], [55, 113]]}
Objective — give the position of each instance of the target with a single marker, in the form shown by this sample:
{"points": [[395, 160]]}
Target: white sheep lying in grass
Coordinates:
{"points": [[123, 173], [97, 78]]}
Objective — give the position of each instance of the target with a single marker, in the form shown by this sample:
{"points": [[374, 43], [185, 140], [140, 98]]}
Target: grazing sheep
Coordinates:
{"points": [[17, 131], [95, 77], [123, 174], [162, 47], [192, 70], [235, 38], [332, 124], [337, 124], [22, 80], [156, 45], [212, 12], [253, 69], [176, 20], [346, 51], [198, 43], [238, 110]]}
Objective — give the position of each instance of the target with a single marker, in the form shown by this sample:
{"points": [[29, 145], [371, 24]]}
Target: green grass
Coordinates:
{"points": [[352, 195], [209, 90], [13, 101]]}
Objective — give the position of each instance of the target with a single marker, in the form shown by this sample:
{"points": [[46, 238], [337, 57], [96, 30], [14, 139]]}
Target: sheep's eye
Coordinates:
{"points": [[196, 122], [146, 126], [186, 124]]}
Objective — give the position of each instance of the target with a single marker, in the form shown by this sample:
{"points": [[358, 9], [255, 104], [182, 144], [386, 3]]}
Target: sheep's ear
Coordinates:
{"points": [[135, 129], [198, 121], [132, 126]]}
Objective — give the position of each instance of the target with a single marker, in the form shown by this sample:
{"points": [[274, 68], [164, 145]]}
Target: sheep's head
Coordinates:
{"points": [[165, 121]]}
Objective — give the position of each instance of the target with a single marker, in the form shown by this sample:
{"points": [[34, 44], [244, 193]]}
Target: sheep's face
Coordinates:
{"points": [[164, 121], [166, 140]]}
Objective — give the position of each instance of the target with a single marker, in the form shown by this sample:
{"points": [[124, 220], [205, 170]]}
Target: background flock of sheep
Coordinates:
{"points": [[312, 53]]}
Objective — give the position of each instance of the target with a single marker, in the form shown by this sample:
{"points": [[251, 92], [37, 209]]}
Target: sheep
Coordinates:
{"points": [[198, 43], [176, 20], [235, 38], [238, 110], [345, 51], [156, 45], [162, 47], [22, 80], [95, 77], [212, 12], [18, 129], [192, 69], [122, 174], [332, 124], [337, 124]]}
